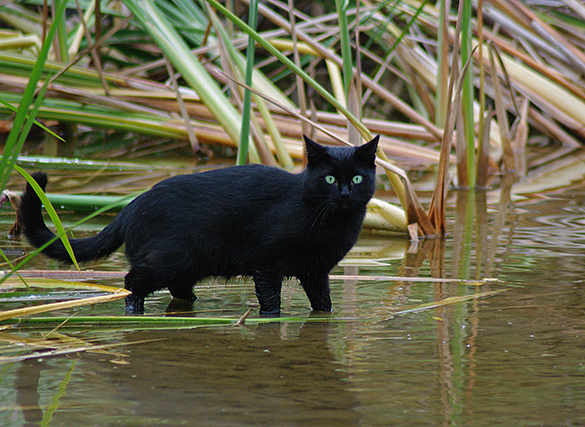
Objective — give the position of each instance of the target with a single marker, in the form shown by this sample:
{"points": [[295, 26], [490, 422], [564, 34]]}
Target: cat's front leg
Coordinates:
{"points": [[316, 287], [268, 286], [134, 304]]}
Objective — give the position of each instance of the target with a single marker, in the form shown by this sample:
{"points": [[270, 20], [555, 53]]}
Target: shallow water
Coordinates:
{"points": [[516, 357]]}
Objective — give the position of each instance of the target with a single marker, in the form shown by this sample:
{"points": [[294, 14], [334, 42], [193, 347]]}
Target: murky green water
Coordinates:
{"points": [[514, 358]]}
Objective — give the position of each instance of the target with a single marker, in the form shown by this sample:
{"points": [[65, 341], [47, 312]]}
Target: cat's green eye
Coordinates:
{"points": [[330, 179], [357, 179]]}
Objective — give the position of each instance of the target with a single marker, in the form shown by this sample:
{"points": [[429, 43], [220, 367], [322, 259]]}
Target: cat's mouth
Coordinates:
{"points": [[344, 205]]}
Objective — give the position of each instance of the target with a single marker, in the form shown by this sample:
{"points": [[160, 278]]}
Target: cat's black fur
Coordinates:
{"points": [[253, 220]]}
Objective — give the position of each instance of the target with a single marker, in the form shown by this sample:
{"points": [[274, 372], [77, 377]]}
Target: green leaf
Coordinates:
{"points": [[19, 131], [282, 58], [178, 53], [36, 122], [51, 211]]}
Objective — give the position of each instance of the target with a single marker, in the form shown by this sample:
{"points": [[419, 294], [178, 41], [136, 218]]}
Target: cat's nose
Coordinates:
{"points": [[344, 193]]}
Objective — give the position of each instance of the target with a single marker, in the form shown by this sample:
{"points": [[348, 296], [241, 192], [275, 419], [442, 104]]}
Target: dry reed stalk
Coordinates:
{"points": [[367, 278], [552, 129], [520, 139], [483, 152], [70, 274], [366, 81], [44, 308], [508, 155]]}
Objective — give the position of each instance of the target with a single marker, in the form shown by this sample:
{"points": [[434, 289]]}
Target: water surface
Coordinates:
{"points": [[511, 358]]}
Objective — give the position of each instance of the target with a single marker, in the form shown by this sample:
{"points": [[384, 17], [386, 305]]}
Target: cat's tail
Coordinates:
{"points": [[30, 217]]}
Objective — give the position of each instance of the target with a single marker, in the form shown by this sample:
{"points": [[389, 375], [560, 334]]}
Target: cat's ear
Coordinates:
{"points": [[367, 152], [315, 152]]}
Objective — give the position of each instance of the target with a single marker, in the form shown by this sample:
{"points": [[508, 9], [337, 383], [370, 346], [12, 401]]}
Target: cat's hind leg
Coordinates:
{"points": [[183, 296], [140, 281], [182, 291], [180, 285]]}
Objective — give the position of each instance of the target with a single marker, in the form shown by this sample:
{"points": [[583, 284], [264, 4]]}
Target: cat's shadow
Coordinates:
{"points": [[179, 306]]}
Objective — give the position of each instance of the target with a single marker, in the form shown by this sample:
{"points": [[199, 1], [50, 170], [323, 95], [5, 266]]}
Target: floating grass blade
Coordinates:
{"points": [[44, 308], [61, 279], [158, 322], [445, 301], [60, 351]]}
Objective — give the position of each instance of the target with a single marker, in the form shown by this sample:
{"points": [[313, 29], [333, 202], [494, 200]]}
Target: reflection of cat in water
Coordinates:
{"points": [[277, 374], [252, 220]]}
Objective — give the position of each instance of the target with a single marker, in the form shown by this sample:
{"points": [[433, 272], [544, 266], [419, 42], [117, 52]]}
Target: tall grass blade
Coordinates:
{"points": [[437, 210], [23, 262], [442, 94], [276, 53], [51, 211], [247, 107], [16, 136], [341, 6], [188, 125], [520, 139], [467, 97], [483, 137], [301, 95], [483, 151], [62, 51], [178, 53]]}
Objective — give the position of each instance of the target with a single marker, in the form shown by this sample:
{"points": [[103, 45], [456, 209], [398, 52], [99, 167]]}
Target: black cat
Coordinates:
{"points": [[252, 220]]}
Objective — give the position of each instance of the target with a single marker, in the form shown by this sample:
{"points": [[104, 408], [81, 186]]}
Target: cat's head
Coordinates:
{"points": [[343, 178]]}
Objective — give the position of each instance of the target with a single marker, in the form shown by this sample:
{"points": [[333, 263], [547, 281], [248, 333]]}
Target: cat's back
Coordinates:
{"points": [[232, 181], [228, 190]]}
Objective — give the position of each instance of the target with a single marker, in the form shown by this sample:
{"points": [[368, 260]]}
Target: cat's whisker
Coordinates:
{"points": [[321, 211], [318, 221]]}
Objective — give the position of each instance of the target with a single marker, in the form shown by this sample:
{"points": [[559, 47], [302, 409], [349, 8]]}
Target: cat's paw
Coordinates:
{"points": [[273, 313], [321, 312]]}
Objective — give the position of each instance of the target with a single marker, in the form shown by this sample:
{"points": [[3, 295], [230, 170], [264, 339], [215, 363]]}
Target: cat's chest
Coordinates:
{"points": [[319, 248], [323, 234]]}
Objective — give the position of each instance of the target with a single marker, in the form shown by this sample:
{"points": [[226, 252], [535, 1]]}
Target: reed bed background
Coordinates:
{"points": [[461, 90], [178, 71]]}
